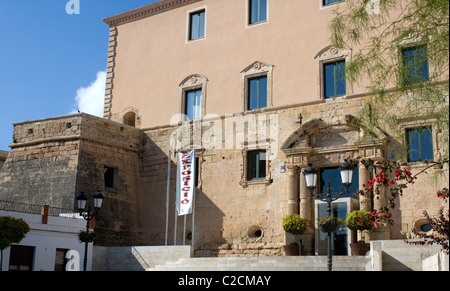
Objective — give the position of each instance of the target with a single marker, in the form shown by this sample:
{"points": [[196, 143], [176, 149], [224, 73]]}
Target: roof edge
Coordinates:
{"points": [[146, 11]]}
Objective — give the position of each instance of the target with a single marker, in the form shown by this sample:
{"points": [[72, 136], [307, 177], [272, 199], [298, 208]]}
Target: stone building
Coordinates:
{"points": [[3, 156], [253, 86]]}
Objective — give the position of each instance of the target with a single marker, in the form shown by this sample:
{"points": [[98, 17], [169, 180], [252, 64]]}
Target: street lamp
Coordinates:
{"points": [[346, 170], [82, 200]]}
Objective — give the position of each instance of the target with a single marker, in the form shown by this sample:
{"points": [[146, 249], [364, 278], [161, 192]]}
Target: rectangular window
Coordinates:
{"points": [[333, 176], [258, 11], [256, 165], [60, 259], [110, 177], [420, 144], [328, 2], [257, 93], [193, 104], [415, 62], [197, 25], [334, 79]]}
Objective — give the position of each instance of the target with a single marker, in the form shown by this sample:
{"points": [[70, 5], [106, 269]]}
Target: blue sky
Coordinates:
{"points": [[49, 59]]}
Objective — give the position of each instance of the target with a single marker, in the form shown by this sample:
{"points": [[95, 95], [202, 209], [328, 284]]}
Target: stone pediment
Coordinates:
{"points": [[316, 136], [257, 67]]}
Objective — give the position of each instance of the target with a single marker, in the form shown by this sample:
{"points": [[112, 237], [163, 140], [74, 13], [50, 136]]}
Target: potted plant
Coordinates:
{"points": [[329, 223], [363, 221], [296, 225]]}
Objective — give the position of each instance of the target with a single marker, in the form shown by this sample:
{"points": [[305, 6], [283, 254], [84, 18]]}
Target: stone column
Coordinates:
{"points": [[307, 212], [292, 173], [381, 232], [292, 197], [365, 202]]}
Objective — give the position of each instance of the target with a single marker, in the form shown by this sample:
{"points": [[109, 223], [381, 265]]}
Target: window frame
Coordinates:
{"points": [[335, 81], [403, 66], [194, 109], [249, 13], [407, 142], [255, 70], [190, 83], [189, 25], [251, 146], [258, 91], [257, 165], [330, 54]]}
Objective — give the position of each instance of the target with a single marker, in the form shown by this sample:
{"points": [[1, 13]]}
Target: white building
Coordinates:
{"points": [[52, 244]]}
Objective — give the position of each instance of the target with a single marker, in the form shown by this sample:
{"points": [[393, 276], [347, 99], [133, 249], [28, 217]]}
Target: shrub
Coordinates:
{"points": [[294, 224], [360, 220]]}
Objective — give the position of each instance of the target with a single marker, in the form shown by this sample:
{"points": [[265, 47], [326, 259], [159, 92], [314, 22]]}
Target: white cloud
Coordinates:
{"points": [[91, 99]]}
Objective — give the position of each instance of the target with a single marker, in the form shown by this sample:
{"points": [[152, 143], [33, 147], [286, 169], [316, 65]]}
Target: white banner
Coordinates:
{"points": [[185, 182]]}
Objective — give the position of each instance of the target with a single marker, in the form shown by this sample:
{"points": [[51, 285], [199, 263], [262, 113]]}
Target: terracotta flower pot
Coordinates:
{"points": [[359, 249], [291, 250]]}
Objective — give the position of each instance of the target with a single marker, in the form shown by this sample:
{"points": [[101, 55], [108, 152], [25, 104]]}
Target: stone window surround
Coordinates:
{"points": [[414, 124], [193, 82], [327, 55], [128, 110], [253, 145], [188, 23], [256, 69], [405, 44]]}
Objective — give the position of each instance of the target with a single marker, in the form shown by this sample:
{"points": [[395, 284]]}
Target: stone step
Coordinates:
{"points": [[270, 263]]}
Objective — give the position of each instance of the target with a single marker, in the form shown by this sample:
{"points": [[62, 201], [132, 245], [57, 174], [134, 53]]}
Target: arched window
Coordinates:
{"points": [[130, 119]]}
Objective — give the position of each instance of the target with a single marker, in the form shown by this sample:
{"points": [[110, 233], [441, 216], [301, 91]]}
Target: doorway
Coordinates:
{"points": [[21, 258]]}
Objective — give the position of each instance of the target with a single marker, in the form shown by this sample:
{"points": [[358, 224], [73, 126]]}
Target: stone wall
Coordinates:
{"points": [[41, 167], [235, 217], [3, 156], [108, 144], [52, 160]]}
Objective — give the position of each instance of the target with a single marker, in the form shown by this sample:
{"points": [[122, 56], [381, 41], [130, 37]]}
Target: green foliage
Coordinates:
{"points": [[360, 220], [377, 37], [326, 222], [294, 224], [12, 230], [87, 236]]}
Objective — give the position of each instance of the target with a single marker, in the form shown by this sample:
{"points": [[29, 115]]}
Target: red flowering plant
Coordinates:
{"points": [[395, 176], [388, 174], [361, 220], [443, 194]]}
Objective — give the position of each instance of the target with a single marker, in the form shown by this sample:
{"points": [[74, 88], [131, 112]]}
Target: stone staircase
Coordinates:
{"points": [[263, 263]]}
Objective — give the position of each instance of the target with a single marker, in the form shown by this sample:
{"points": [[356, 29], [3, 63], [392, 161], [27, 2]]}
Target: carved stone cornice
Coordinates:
{"points": [[146, 11]]}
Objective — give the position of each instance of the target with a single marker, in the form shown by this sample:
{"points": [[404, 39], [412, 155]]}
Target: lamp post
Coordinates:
{"points": [[82, 200], [346, 170]]}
